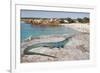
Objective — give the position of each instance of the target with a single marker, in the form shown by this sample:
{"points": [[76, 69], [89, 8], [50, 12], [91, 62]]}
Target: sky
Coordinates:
{"points": [[52, 14]]}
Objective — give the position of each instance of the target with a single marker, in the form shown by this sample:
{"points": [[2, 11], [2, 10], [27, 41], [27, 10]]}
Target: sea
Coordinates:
{"points": [[37, 30]]}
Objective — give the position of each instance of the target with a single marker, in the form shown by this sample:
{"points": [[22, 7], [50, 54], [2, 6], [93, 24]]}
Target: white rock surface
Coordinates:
{"points": [[76, 49]]}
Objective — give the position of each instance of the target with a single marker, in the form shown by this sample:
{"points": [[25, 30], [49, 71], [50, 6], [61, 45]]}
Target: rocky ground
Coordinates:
{"points": [[76, 49]]}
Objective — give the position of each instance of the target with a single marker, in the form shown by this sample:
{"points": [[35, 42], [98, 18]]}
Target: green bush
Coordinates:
{"points": [[70, 20]]}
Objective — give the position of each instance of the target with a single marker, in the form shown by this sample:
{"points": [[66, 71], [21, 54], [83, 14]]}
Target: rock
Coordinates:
{"points": [[76, 49]]}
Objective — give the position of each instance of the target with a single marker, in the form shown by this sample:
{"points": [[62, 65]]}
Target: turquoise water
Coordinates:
{"points": [[34, 30]]}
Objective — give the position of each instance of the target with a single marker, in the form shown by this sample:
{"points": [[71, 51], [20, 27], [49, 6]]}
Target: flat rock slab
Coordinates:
{"points": [[76, 49]]}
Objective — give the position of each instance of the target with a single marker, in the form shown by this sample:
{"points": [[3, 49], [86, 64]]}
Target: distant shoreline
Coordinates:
{"points": [[54, 21]]}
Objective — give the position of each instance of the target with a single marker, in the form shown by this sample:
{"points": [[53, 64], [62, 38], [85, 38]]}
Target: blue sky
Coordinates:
{"points": [[52, 14]]}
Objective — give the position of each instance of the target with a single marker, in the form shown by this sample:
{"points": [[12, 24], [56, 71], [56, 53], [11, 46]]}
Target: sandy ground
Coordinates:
{"points": [[78, 26], [76, 49]]}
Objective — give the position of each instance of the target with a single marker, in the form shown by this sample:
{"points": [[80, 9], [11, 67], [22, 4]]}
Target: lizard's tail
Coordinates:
{"points": [[35, 53]]}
